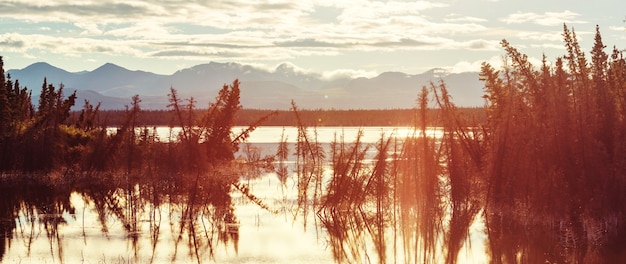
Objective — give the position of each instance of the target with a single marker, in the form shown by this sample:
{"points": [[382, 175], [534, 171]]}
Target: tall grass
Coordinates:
{"points": [[309, 160]]}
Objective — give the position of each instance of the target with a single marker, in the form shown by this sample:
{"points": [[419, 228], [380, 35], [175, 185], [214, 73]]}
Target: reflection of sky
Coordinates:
{"points": [[273, 134], [264, 237], [328, 134]]}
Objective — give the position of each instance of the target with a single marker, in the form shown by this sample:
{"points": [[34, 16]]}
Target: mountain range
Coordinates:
{"points": [[114, 86]]}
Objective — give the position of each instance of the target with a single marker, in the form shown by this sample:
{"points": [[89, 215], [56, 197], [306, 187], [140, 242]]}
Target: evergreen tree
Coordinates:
{"points": [[5, 108], [5, 120], [555, 152], [219, 119]]}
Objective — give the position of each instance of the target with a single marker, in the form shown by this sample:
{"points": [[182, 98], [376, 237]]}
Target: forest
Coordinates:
{"points": [[543, 165], [317, 117]]}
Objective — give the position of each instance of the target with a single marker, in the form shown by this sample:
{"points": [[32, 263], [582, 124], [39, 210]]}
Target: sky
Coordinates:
{"points": [[330, 37]]}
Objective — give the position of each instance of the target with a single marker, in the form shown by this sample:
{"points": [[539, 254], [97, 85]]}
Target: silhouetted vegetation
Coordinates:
{"points": [[555, 159], [319, 117], [545, 172], [122, 171]]}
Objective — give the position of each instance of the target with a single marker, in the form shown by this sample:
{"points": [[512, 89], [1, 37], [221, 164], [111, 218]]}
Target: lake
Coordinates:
{"points": [[292, 219]]}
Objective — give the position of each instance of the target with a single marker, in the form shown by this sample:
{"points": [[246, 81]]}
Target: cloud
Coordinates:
{"points": [[481, 44], [64, 45], [140, 30], [309, 42], [545, 19], [240, 30], [184, 53], [455, 18], [240, 55], [12, 41], [540, 36], [38, 11], [377, 9], [474, 45], [406, 42], [474, 66], [495, 61], [347, 73], [618, 28], [548, 46]]}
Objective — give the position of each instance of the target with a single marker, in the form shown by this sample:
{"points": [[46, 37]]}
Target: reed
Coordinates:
{"points": [[309, 160]]}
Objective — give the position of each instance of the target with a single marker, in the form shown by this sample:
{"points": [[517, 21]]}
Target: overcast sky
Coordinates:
{"points": [[357, 37]]}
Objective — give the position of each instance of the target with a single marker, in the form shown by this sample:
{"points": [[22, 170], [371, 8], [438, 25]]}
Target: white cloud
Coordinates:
{"points": [[548, 46], [540, 36], [455, 18], [495, 61], [142, 30], [88, 28], [13, 42], [377, 9], [545, 19], [167, 28], [348, 73], [292, 67], [244, 31], [66, 46], [618, 28], [474, 66]]}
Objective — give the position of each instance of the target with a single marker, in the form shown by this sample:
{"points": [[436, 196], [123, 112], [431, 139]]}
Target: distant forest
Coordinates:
{"points": [[319, 117]]}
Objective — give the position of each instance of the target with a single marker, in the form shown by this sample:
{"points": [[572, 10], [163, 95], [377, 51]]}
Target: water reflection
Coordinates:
{"points": [[416, 200], [200, 216], [31, 205]]}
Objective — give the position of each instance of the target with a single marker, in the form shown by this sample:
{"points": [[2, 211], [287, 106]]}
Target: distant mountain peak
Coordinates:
{"points": [[224, 65], [114, 85], [393, 75], [438, 72], [41, 66], [108, 69], [109, 66], [285, 66], [290, 70]]}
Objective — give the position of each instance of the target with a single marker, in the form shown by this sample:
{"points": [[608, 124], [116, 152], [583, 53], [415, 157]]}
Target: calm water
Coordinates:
{"points": [[272, 134], [70, 227]]}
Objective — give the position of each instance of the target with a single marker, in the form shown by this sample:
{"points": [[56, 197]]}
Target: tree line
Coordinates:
{"points": [[318, 117]]}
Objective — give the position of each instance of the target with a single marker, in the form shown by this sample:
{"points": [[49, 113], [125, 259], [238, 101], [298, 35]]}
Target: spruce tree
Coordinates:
{"points": [[5, 120], [5, 109]]}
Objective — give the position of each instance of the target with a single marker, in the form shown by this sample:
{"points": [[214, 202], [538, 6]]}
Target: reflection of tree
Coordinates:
{"points": [[356, 205], [199, 207], [309, 160], [462, 151], [419, 190], [41, 202]]}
